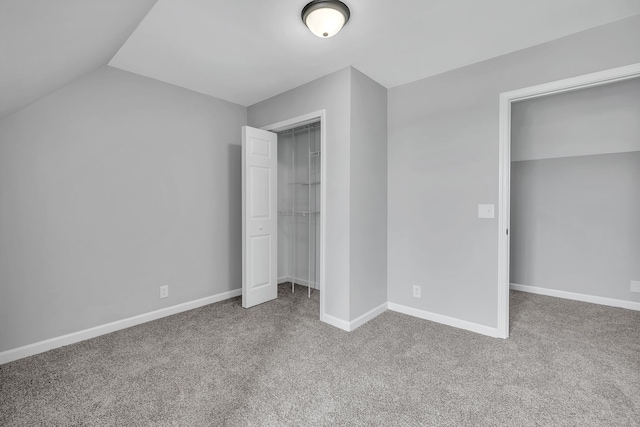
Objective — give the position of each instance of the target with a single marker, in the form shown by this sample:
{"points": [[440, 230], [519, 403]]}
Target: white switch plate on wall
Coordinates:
{"points": [[486, 211], [635, 286]]}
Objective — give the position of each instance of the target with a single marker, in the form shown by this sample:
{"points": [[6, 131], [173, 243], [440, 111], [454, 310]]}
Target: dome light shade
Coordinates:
{"points": [[325, 17]]}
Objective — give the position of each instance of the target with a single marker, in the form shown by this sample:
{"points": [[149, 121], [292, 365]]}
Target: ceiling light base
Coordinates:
{"points": [[325, 18]]}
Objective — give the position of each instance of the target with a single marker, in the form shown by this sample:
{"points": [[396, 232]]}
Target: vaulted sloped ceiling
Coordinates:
{"points": [[45, 44]]}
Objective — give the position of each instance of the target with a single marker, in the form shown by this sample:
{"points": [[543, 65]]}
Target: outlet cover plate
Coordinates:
{"points": [[164, 291], [417, 292], [635, 286]]}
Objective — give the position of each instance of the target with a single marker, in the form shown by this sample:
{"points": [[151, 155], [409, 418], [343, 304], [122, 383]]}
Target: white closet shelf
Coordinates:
{"points": [[297, 213]]}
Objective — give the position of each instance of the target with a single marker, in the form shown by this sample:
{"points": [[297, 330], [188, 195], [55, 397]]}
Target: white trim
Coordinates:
{"points": [[580, 82], [355, 323], [504, 216], [504, 159], [369, 315], [295, 122], [334, 321], [630, 305], [445, 320], [72, 338], [289, 124]]}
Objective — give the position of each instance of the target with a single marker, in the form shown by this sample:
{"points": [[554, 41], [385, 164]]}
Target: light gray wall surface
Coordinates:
{"points": [[109, 188], [575, 224], [368, 252], [443, 162], [331, 93], [598, 120]]}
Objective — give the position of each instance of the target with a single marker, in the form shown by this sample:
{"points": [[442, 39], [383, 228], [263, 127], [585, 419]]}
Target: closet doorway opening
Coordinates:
{"points": [[504, 218], [283, 200], [299, 207]]}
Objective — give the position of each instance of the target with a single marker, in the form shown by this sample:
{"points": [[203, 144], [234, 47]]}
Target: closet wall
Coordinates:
{"points": [[355, 159], [299, 181]]}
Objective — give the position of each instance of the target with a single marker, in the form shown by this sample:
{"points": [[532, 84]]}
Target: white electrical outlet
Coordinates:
{"points": [[164, 291], [417, 292], [635, 286]]}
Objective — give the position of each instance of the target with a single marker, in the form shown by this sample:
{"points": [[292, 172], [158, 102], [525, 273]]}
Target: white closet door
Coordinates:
{"points": [[259, 216]]}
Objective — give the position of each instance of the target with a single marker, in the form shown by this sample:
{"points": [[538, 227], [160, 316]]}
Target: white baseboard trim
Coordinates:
{"points": [[445, 320], [355, 323], [371, 314], [72, 338], [334, 321], [630, 305]]}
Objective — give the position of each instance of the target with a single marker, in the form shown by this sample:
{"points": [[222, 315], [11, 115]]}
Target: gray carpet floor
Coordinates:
{"points": [[566, 364]]}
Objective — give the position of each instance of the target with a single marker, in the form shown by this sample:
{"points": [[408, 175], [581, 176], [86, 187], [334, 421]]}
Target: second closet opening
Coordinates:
{"points": [[299, 181]]}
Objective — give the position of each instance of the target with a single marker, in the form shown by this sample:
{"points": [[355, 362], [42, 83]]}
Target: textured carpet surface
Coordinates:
{"points": [[566, 364]]}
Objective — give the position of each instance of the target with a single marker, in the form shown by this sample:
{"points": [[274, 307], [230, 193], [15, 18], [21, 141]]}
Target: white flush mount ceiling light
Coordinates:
{"points": [[325, 17]]}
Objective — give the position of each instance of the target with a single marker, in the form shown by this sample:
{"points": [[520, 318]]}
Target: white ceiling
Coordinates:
{"points": [[46, 44], [245, 51]]}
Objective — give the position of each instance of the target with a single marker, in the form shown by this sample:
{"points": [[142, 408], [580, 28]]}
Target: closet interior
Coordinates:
{"points": [[299, 181]]}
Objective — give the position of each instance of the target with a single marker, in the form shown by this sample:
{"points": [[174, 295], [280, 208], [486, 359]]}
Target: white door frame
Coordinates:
{"points": [[294, 123], [504, 179]]}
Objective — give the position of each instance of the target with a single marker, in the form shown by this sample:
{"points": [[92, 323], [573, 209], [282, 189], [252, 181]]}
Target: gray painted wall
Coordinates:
{"points": [[110, 187], [443, 162], [575, 224], [368, 252], [598, 120], [331, 93]]}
